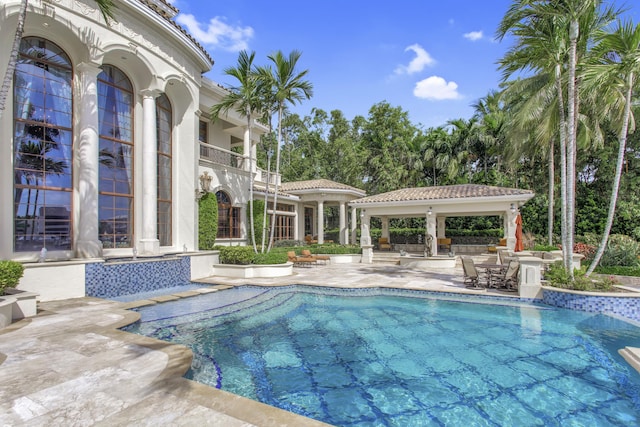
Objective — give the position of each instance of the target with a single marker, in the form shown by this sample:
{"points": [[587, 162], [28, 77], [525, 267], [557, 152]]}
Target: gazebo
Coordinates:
{"points": [[436, 204]]}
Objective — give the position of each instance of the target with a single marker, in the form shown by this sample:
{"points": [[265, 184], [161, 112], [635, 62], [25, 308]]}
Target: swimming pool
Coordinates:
{"points": [[393, 357]]}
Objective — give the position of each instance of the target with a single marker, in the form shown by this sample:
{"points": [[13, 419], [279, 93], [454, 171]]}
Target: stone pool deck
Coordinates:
{"points": [[70, 365]]}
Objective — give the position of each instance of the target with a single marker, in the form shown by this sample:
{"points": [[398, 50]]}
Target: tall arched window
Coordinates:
{"points": [[228, 217], [115, 109], [164, 125], [43, 152]]}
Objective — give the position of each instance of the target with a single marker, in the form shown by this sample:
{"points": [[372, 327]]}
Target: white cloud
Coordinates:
{"points": [[417, 64], [217, 34], [473, 35], [436, 88]]}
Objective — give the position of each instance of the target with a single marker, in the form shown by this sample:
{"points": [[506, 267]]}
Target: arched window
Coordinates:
{"points": [[228, 217], [164, 125], [115, 109], [43, 152]]}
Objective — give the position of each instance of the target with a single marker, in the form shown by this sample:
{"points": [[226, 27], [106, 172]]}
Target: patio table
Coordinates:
{"points": [[491, 271]]}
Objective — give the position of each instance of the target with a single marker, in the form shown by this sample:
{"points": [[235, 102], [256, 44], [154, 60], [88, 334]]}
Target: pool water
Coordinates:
{"points": [[387, 357]]}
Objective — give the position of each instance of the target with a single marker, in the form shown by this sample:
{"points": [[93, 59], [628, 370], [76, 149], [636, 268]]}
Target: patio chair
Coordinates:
{"points": [[509, 280], [300, 260], [307, 254], [310, 240], [383, 243], [471, 275]]}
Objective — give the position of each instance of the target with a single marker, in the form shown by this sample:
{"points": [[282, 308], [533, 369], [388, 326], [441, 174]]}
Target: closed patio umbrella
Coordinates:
{"points": [[519, 241]]}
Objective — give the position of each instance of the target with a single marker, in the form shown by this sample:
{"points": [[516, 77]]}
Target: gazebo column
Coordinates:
{"points": [[354, 224], [365, 239], [441, 221], [344, 236], [431, 231], [510, 228], [321, 222]]}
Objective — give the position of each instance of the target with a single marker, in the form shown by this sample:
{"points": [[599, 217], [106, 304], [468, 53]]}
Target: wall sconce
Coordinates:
{"points": [[513, 208], [430, 211]]}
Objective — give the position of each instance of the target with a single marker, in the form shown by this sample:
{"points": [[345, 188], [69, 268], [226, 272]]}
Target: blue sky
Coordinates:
{"points": [[434, 58]]}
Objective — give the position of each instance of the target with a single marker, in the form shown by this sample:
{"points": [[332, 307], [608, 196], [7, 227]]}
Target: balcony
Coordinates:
{"points": [[220, 156]]}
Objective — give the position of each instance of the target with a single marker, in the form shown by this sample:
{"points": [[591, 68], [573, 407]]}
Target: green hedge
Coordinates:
{"points": [[237, 255], [207, 222], [10, 274]]}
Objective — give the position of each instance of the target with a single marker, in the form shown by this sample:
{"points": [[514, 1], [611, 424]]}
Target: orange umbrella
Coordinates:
{"points": [[519, 240]]}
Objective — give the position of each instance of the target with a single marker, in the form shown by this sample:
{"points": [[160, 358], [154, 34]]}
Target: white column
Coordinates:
{"points": [[510, 229], [320, 222], [344, 237], [365, 239], [88, 245], [246, 149], [296, 229], [354, 224], [149, 242], [441, 227], [431, 231]]}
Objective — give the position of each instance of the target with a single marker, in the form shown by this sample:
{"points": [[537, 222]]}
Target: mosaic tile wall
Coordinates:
{"points": [[107, 280], [625, 307]]}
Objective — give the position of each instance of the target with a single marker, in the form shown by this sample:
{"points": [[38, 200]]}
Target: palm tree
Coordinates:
{"points": [[106, 9], [247, 100], [572, 24], [616, 72], [287, 86]]}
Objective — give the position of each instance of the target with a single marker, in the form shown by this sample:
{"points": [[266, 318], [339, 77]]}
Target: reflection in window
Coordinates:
{"points": [[115, 110], [228, 217], [43, 93], [163, 124]]}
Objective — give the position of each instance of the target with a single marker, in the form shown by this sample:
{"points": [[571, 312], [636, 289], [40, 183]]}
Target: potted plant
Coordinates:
{"points": [[14, 303], [10, 274]]}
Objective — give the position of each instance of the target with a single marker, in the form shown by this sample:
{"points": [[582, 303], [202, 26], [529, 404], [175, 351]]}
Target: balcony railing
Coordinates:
{"points": [[221, 156]]}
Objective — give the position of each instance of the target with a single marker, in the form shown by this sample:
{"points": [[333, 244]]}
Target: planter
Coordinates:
{"points": [[6, 310], [25, 305], [251, 271], [614, 303]]}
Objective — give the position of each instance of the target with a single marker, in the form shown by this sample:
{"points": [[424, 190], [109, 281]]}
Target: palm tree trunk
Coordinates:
{"points": [[251, 221], [616, 180], [567, 251], [551, 203], [266, 204], [275, 192], [563, 159], [13, 57]]}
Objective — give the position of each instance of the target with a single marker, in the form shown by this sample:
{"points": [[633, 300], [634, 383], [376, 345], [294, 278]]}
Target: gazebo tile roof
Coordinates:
{"points": [[445, 192], [317, 184]]}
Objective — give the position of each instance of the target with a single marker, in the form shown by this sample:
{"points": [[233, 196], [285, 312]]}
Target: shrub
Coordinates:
{"points": [[559, 277], [334, 249], [10, 274], [621, 251], [585, 249], [272, 257], [544, 248], [237, 255], [207, 221], [287, 243]]}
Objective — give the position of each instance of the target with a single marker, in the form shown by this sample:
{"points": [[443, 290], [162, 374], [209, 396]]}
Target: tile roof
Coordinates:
{"points": [[317, 184], [445, 192]]}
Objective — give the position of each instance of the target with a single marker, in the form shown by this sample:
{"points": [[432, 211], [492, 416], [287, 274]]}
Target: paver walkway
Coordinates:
{"points": [[70, 365]]}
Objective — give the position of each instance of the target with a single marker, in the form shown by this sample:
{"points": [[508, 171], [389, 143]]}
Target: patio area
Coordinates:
{"points": [[70, 365]]}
